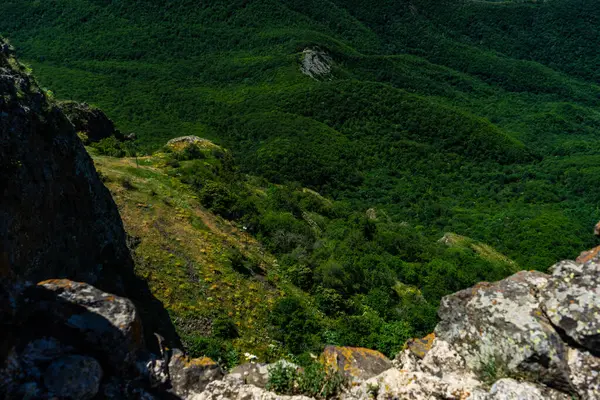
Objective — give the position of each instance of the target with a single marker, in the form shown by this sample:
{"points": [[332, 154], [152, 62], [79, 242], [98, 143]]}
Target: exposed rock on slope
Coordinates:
{"points": [[90, 121], [355, 363], [57, 219], [316, 63], [531, 336]]}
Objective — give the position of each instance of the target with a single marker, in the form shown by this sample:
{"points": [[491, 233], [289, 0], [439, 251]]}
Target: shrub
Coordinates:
{"points": [[320, 382], [126, 183], [314, 380], [282, 378], [218, 198], [110, 146], [295, 326], [224, 328], [191, 152], [212, 347]]}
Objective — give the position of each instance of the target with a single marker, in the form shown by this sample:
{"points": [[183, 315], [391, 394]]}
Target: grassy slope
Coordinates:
{"points": [[185, 254]]}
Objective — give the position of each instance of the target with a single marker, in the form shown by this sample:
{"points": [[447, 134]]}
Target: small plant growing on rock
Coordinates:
{"points": [[314, 381], [373, 390], [282, 378]]}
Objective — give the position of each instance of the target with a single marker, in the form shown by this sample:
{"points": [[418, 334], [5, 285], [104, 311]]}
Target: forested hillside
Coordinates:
{"points": [[478, 118]]}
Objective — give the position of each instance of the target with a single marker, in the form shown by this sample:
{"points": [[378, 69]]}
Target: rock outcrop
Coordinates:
{"points": [[90, 122], [530, 336], [354, 362], [182, 142], [57, 220], [316, 63]]}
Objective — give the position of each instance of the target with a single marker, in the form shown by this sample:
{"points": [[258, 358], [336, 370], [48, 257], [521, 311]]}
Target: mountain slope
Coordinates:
{"points": [[448, 114], [487, 132]]}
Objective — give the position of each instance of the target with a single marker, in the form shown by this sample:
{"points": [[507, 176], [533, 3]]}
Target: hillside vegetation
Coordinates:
{"points": [[340, 276], [477, 118]]}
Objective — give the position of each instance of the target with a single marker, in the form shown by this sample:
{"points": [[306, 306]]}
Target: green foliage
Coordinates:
{"points": [[224, 328], [282, 378], [314, 380], [110, 146], [295, 325], [320, 382], [215, 348], [217, 197]]}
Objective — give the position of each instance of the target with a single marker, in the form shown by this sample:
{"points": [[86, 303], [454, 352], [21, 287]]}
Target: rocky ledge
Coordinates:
{"points": [[530, 336]]}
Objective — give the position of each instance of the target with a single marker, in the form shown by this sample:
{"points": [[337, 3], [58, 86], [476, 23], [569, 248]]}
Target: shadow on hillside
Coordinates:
{"points": [[42, 331], [154, 316]]}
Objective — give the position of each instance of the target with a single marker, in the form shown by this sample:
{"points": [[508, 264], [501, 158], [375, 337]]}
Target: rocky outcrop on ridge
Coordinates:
{"points": [[90, 122], [316, 63], [529, 336]]}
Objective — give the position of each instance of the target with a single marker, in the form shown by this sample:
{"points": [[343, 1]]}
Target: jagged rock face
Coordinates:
{"points": [[57, 220], [502, 326], [89, 120], [256, 374], [74, 377], [531, 325], [572, 302]]}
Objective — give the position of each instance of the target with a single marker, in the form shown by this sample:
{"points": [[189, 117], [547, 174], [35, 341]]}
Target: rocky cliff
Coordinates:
{"points": [[57, 219]]}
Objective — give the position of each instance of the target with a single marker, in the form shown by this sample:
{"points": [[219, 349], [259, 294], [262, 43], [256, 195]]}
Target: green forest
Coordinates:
{"points": [[480, 119]]}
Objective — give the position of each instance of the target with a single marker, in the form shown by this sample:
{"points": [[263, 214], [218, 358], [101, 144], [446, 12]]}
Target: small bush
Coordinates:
{"points": [[314, 381], [317, 381], [224, 328], [110, 146], [212, 347], [126, 183], [282, 378], [191, 152], [218, 198], [83, 137]]}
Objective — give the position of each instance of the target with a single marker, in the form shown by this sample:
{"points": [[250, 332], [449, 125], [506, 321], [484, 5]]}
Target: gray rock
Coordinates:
{"points": [[191, 375], [154, 370], [74, 377], [412, 385], [510, 389], [585, 374], [571, 301], [316, 63], [501, 326], [255, 374], [232, 390], [109, 324], [89, 120]]}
